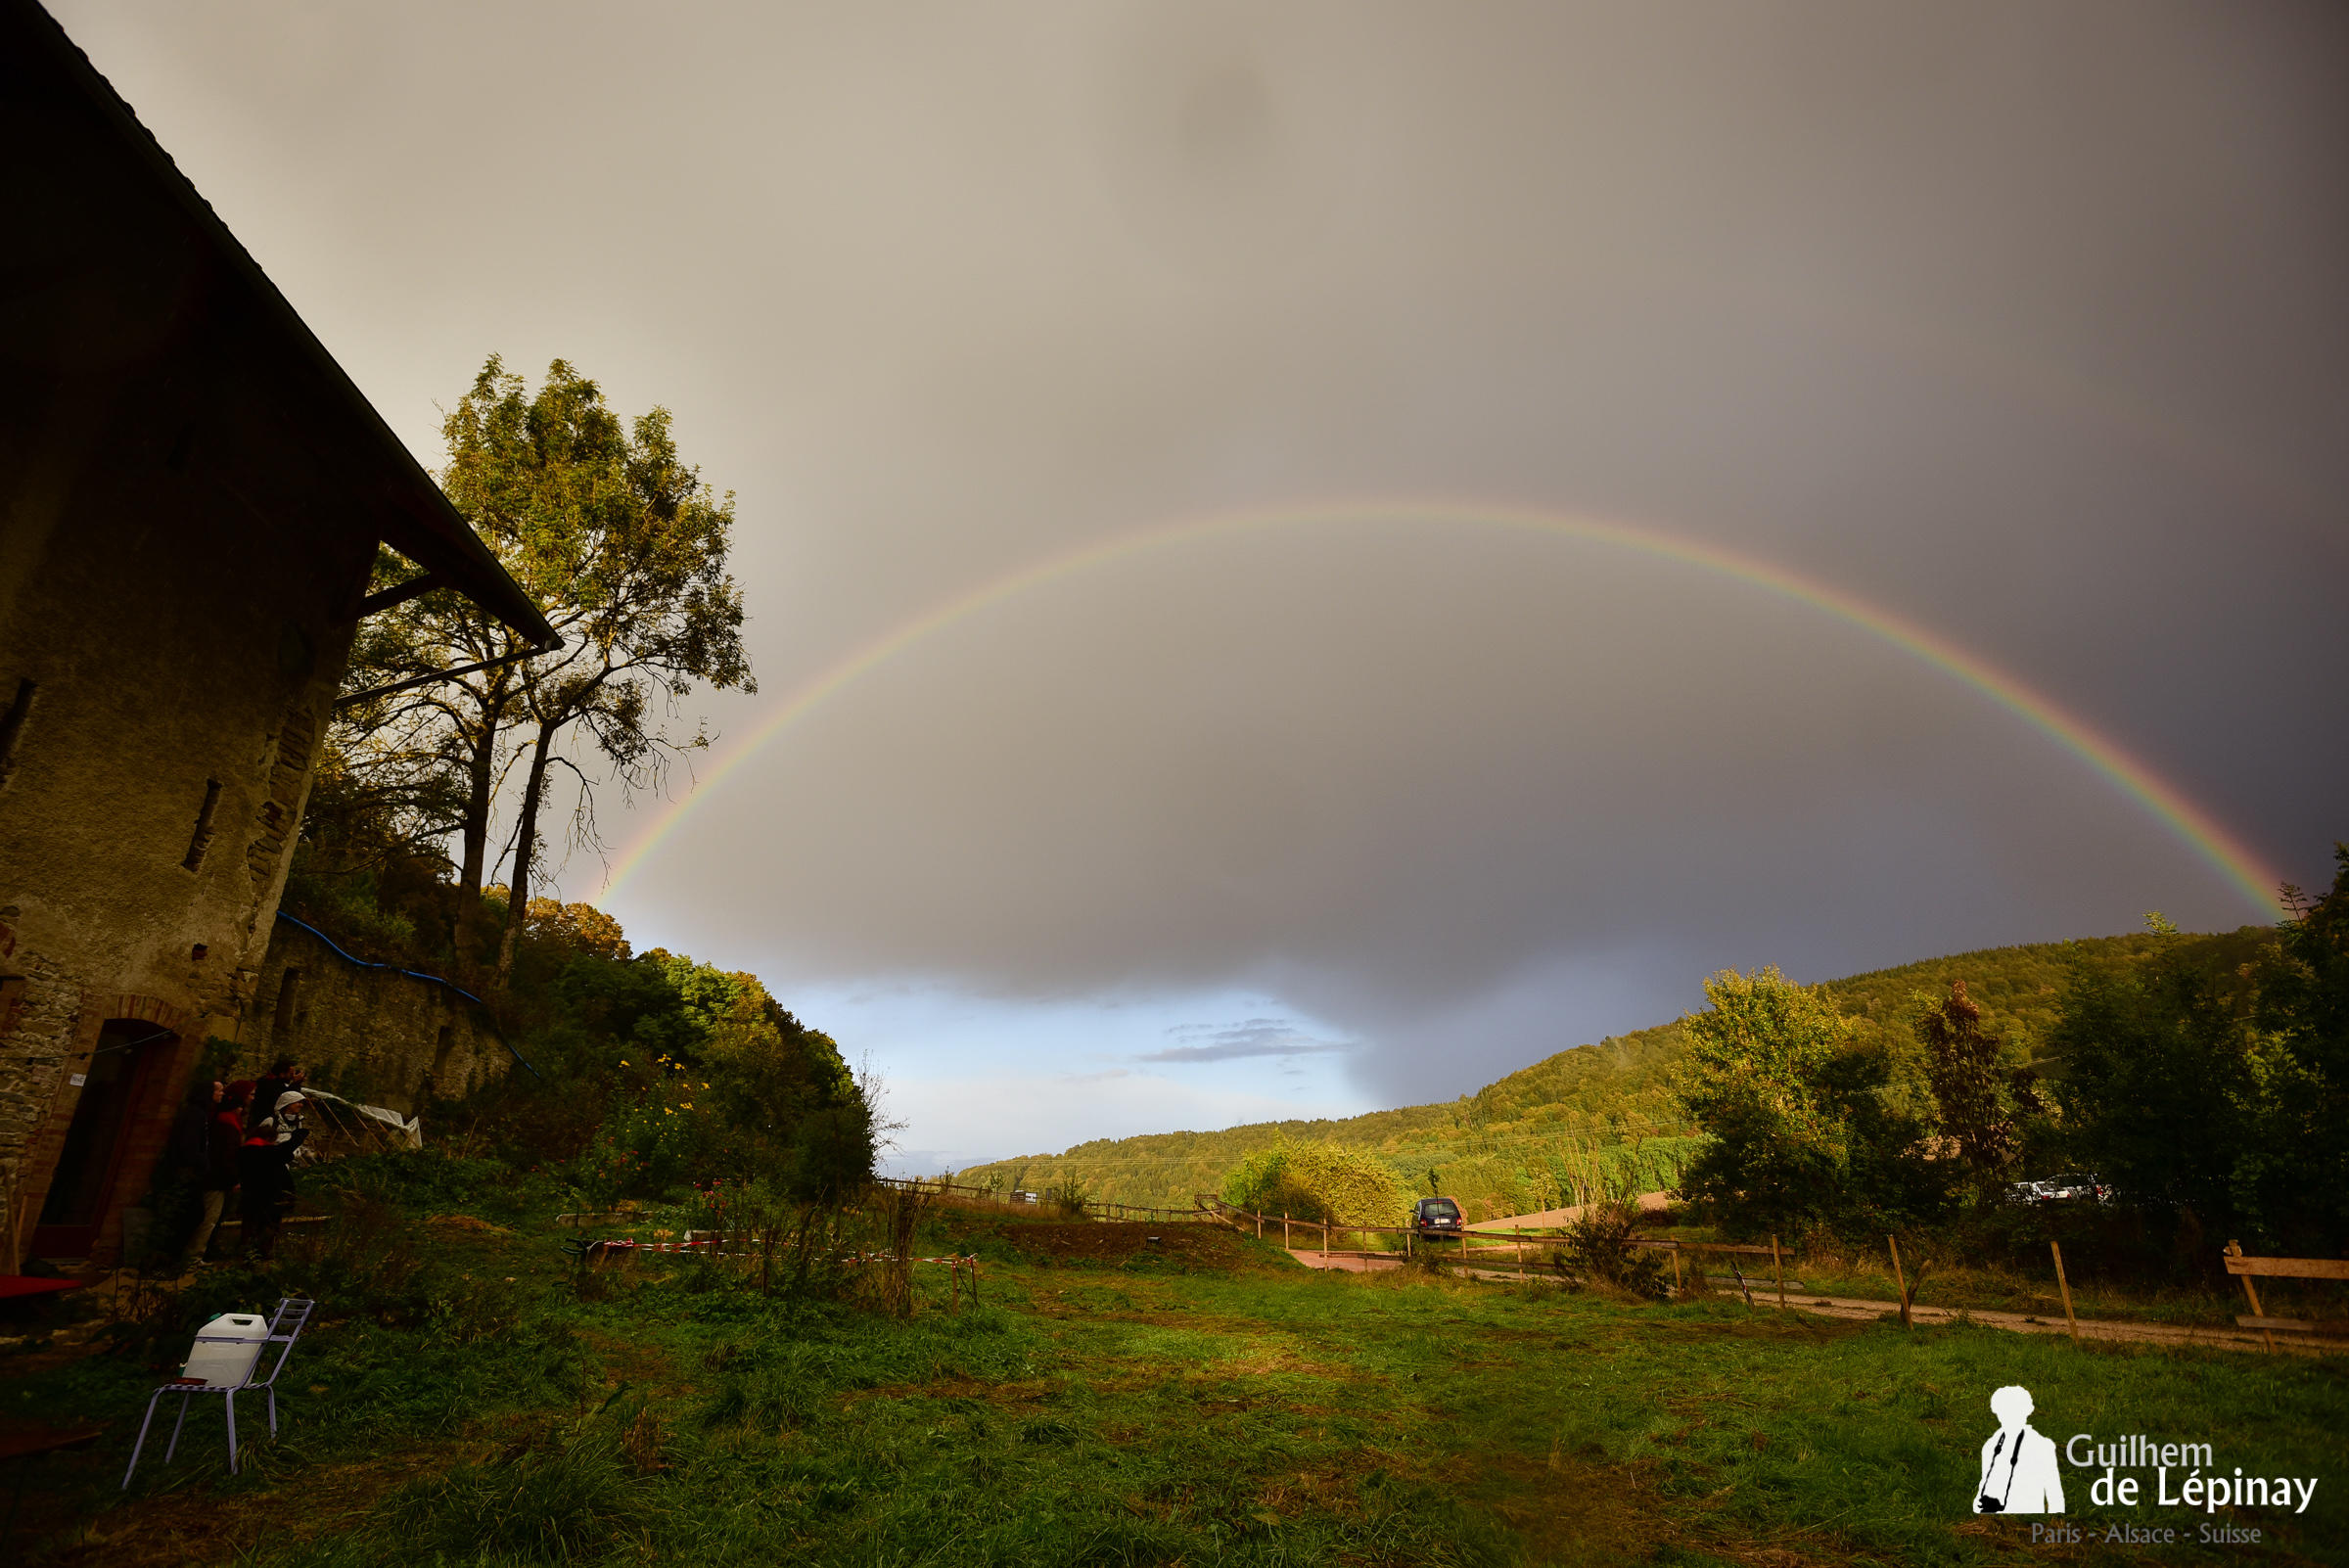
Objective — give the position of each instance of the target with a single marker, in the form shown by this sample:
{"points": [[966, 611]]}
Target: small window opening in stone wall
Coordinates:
{"points": [[12, 725], [287, 989], [203, 838]]}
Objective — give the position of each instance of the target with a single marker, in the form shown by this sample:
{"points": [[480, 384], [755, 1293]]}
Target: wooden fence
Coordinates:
{"points": [[2245, 1269], [1484, 1249], [988, 1197]]}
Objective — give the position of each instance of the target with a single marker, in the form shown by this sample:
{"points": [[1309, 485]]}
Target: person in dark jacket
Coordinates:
{"points": [[223, 1136], [179, 1179], [264, 1173], [188, 1134]]}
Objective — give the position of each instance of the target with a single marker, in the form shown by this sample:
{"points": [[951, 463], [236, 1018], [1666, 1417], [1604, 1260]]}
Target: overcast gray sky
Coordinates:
{"points": [[2026, 323]]}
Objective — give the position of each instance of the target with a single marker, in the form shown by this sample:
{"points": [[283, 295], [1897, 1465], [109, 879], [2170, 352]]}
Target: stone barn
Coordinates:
{"points": [[192, 495]]}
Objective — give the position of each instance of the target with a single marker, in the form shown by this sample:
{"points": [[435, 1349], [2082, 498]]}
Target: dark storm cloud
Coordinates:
{"points": [[2023, 321]]}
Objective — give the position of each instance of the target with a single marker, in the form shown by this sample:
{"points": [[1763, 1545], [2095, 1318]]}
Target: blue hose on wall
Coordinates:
{"points": [[451, 985]]}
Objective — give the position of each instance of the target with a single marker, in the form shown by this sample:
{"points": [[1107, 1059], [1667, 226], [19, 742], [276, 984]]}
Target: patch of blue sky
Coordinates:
{"points": [[975, 1078]]}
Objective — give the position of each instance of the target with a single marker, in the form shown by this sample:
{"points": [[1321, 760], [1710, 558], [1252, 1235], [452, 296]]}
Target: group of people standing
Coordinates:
{"points": [[240, 1138]]}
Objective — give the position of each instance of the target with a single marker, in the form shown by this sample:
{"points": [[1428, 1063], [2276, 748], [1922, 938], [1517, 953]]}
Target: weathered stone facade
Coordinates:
{"points": [[369, 1033], [192, 497]]}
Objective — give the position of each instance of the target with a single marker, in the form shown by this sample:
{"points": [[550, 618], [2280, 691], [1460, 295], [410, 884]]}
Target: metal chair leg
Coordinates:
{"points": [[232, 1431], [140, 1446], [273, 1412], [184, 1400]]}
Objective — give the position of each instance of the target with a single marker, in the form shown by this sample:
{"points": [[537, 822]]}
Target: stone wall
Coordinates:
{"points": [[192, 495], [366, 1032]]}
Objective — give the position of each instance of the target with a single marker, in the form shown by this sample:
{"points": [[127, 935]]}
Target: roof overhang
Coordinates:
{"points": [[94, 164]]}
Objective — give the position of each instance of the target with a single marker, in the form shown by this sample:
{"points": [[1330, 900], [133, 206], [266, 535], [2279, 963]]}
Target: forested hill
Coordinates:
{"points": [[1547, 1134]]}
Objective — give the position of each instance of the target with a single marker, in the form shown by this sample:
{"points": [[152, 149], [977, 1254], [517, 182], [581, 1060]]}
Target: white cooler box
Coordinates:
{"points": [[236, 1344]]}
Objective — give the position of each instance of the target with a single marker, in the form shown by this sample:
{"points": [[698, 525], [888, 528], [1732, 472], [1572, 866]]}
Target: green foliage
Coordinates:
{"points": [[832, 1152], [1319, 1180], [706, 1078], [2212, 1092], [1598, 1246], [1802, 1130], [1980, 1098]]}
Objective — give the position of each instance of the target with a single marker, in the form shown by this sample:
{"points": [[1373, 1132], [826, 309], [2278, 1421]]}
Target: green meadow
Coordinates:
{"points": [[472, 1396]]}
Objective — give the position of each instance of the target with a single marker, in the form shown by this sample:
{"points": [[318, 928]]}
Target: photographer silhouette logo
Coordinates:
{"points": [[2018, 1465]]}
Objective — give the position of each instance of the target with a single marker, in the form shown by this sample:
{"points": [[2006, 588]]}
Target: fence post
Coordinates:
{"points": [[1777, 1267], [2065, 1286], [1899, 1280], [1285, 1230], [2235, 1248], [1679, 1291]]}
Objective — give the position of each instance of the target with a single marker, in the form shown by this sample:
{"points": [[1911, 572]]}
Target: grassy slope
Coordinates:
{"points": [[1134, 1411], [1522, 1143]]}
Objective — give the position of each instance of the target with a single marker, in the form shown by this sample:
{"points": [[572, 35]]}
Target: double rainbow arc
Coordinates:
{"points": [[2203, 833]]}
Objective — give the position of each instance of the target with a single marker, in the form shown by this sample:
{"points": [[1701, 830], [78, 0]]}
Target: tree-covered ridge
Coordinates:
{"points": [[1594, 1116]]}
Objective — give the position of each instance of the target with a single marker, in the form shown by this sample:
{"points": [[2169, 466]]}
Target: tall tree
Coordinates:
{"points": [[1793, 1100], [444, 740], [624, 547], [2157, 1085], [1980, 1096], [2297, 1181], [1754, 1077]]}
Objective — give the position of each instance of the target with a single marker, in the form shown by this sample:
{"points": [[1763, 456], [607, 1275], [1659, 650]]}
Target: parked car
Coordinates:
{"points": [[2072, 1186], [1435, 1219]]}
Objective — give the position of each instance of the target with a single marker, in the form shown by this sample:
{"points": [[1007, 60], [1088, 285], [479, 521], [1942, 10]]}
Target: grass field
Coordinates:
{"points": [[1112, 1401]]}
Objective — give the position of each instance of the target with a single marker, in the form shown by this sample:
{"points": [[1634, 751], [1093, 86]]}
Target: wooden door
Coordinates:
{"points": [[116, 1081]]}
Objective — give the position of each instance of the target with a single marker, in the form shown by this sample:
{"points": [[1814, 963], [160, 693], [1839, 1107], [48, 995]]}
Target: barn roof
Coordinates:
{"points": [[115, 252]]}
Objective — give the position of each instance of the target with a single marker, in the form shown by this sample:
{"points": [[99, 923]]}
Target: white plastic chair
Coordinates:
{"points": [[284, 1329]]}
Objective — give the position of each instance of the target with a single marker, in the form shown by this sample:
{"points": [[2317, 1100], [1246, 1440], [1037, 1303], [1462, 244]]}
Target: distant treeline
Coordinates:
{"points": [[1594, 1119], [1541, 1138]]}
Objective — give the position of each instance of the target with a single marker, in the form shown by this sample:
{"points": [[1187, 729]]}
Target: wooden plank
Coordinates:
{"points": [[1698, 1246], [2301, 1325], [2291, 1268]]}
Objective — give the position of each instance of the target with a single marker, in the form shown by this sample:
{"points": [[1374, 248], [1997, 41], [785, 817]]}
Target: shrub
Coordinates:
{"points": [[1318, 1181], [1598, 1247]]}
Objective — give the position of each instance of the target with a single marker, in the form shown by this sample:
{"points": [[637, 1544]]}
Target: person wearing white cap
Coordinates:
{"points": [[263, 1166]]}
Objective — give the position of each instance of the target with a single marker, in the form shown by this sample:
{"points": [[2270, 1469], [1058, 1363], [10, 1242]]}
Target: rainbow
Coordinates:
{"points": [[2233, 859]]}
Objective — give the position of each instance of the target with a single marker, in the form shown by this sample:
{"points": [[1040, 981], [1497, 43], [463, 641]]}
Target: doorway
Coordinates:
{"points": [[115, 1083]]}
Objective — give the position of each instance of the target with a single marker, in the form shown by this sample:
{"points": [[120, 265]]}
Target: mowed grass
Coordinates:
{"points": [[1200, 1403]]}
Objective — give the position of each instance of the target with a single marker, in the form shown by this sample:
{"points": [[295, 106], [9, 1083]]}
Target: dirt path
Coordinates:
{"points": [[1848, 1306], [1859, 1308]]}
